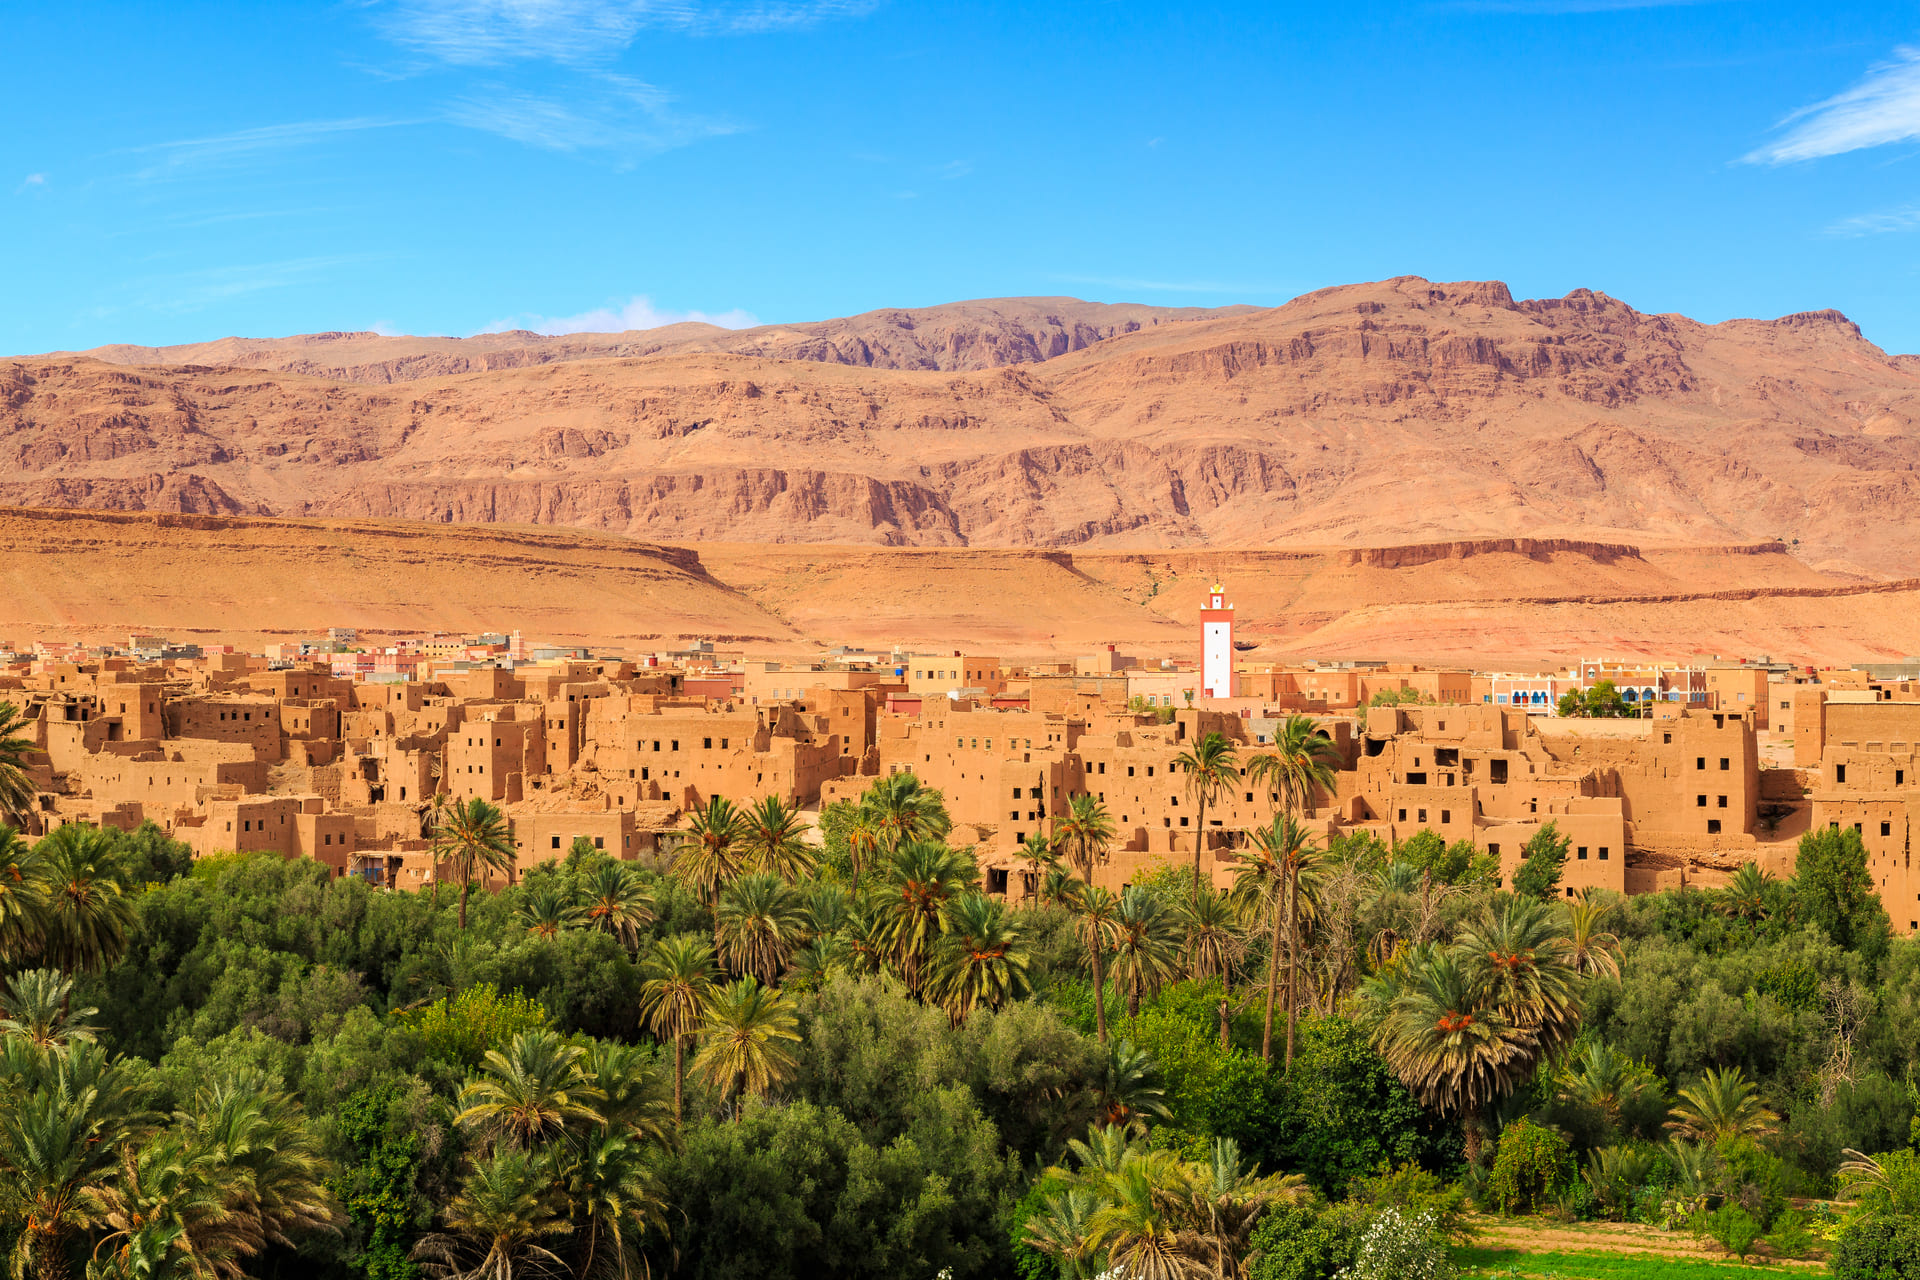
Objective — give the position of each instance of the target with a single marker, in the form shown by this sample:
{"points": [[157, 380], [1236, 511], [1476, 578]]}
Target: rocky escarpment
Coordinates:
{"points": [[986, 334], [1391, 414]]}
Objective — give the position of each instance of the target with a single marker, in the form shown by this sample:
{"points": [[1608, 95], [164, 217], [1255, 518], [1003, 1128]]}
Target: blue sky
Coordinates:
{"points": [[173, 173]]}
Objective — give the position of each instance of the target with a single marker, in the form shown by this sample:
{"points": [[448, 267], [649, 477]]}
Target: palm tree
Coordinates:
{"points": [[1210, 766], [981, 962], [629, 1103], [530, 1093], [1036, 851], [35, 1004], [1605, 1079], [863, 843], [901, 812], [1136, 1223], [922, 877], [1591, 950], [1146, 946], [613, 1199], [1086, 830], [1098, 909], [1062, 1232], [760, 922], [772, 840], [1268, 880], [547, 910], [617, 902], [1061, 888], [1747, 895], [495, 1226], [175, 1209], [1724, 1104], [16, 788], [1214, 939], [88, 913], [746, 1039], [673, 999], [58, 1146], [1303, 760], [1444, 1037], [1222, 1201], [710, 854], [23, 897], [1130, 1091], [260, 1134], [476, 838], [1517, 959]]}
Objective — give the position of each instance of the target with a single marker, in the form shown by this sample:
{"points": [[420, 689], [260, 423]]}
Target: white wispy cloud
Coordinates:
{"points": [[1884, 107], [33, 180], [188, 155], [195, 290], [637, 312], [491, 32], [1874, 224], [605, 111]]}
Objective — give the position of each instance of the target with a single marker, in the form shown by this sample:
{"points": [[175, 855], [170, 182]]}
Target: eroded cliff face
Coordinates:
{"points": [[1392, 413]]}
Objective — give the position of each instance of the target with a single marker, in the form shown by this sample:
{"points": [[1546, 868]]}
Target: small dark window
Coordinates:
{"points": [[1583, 853], [1886, 828], [1713, 826], [1603, 853], [1446, 816], [1700, 762], [1723, 802], [1403, 815], [1700, 801], [1423, 815], [556, 842], [1725, 764], [1839, 773]]}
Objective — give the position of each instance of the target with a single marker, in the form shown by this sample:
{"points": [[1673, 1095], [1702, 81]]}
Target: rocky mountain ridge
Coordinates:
{"points": [[1385, 414]]}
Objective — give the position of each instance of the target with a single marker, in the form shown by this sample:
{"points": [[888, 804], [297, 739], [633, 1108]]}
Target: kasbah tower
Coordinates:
{"points": [[1216, 645]]}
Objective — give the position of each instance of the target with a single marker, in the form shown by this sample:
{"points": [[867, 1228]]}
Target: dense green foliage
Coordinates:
{"points": [[767, 1058]]}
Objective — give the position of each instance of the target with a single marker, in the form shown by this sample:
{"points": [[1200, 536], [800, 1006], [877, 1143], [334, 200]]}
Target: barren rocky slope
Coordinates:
{"points": [[99, 575], [982, 334], [1379, 414]]}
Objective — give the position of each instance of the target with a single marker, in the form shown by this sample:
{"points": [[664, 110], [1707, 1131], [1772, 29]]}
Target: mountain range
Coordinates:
{"points": [[1382, 414]]}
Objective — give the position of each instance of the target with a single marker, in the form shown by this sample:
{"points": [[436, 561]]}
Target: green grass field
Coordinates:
{"points": [[1496, 1264]]}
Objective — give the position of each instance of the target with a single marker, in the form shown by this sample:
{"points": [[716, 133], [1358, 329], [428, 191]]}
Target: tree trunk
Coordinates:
{"points": [[1133, 995], [465, 885], [1100, 994], [679, 1078], [1273, 987], [1293, 955], [1470, 1132], [1198, 838], [1226, 1025]]}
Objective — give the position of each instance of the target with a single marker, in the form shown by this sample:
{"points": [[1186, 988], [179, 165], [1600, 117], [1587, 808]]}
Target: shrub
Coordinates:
{"points": [[1733, 1229], [1790, 1237], [1399, 1247], [1307, 1240], [1414, 1190], [1533, 1166], [1881, 1246], [1615, 1176]]}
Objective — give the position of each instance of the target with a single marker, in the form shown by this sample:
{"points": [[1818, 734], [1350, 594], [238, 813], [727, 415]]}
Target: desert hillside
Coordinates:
{"points": [[1369, 415], [99, 575], [982, 334]]}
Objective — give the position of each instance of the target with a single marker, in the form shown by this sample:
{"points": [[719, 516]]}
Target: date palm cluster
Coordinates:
{"points": [[85, 1164], [1125, 1208], [561, 1179]]}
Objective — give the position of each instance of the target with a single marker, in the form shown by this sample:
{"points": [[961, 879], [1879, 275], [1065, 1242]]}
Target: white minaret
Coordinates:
{"points": [[1216, 646]]}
